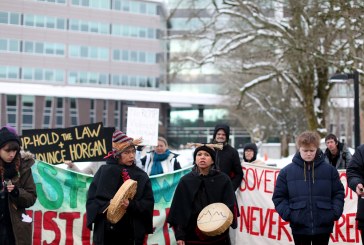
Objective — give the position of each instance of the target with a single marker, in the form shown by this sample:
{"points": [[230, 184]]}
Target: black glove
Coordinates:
{"points": [[15, 192]]}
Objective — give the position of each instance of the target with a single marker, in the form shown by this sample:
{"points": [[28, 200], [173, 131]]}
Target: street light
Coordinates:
{"points": [[344, 77]]}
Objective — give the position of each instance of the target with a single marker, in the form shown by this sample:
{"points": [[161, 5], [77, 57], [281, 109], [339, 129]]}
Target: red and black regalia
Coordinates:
{"points": [[138, 219]]}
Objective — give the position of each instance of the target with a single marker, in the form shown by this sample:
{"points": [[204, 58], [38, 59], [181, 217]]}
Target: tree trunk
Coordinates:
{"points": [[284, 145]]}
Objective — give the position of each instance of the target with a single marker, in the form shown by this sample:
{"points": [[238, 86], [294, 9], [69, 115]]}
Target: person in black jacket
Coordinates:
{"points": [[137, 222], [227, 159], [337, 153], [309, 193], [204, 185], [355, 179]]}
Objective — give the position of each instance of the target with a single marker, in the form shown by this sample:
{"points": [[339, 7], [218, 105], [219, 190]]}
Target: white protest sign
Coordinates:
{"points": [[143, 122]]}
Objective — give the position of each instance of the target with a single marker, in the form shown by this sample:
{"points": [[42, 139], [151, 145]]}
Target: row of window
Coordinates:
{"points": [[74, 77], [76, 51], [148, 8], [44, 48], [134, 56], [56, 105], [42, 21]]}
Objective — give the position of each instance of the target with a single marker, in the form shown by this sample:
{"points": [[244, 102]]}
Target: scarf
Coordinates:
{"points": [[157, 159]]}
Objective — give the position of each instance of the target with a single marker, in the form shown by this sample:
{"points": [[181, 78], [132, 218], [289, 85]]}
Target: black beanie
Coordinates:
{"points": [[6, 135], [253, 147], [204, 148]]}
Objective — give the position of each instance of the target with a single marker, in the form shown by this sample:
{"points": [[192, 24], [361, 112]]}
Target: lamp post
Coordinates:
{"points": [[339, 78]]}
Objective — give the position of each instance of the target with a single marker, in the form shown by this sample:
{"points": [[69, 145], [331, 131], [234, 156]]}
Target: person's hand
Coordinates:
{"points": [[125, 203], [180, 242], [70, 164], [360, 190], [10, 186]]}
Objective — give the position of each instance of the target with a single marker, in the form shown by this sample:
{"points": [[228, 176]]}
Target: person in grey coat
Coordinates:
{"points": [[309, 193]]}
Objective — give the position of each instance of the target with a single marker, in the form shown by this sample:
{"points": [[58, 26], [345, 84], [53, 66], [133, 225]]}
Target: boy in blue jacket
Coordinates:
{"points": [[309, 193]]}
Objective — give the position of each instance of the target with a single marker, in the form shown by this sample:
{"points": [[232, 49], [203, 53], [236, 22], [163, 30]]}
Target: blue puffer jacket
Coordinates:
{"points": [[309, 196]]}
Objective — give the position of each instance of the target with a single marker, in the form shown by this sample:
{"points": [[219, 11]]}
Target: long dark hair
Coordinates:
{"points": [[11, 146]]}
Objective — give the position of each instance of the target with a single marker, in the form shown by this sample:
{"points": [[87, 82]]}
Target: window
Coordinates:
{"points": [[27, 111], [115, 80], [13, 72], [27, 73], [28, 47], [51, 22], [47, 112], [14, 45], [4, 17], [4, 44], [39, 48], [60, 24], [134, 56], [38, 74], [72, 78], [11, 109], [59, 113], [117, 114], [84, 52], [92, 111], [116, 55], [104, 113], [125, 55], [14, 19], [73, 112]]}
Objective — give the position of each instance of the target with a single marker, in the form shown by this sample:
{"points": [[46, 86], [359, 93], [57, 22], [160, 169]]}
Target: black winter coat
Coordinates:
{"points": [[309, 196], [355, 175], [104, 186], [192, 191], [227, 159]]}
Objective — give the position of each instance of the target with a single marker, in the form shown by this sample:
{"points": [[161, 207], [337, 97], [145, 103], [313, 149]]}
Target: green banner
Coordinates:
{"points": [[59, 215]]}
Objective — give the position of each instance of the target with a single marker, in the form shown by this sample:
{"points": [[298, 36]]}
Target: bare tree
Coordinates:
{"points": [[295, 43]]}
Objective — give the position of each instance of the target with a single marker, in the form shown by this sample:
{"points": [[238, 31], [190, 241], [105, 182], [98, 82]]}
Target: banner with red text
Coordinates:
{"points": [[59, 213], [259, 223]]}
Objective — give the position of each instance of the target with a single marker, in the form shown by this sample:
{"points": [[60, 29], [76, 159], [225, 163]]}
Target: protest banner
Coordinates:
{"points": [[59, 213], [259, 223], [143, 122], [82, 143]]}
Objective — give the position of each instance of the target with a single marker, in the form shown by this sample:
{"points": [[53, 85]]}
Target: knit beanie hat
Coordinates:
{"points": [[253, 147], [206, 148], [7, 134], [120, 142]]}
